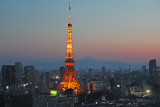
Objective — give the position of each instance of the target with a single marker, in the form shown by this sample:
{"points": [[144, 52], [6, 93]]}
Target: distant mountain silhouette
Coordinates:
{"points": [[89, 62]]}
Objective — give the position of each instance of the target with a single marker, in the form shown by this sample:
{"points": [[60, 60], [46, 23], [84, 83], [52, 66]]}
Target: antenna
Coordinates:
{"points": [[69, 4], [69, 13]]}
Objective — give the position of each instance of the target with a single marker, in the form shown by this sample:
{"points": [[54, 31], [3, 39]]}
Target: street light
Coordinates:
{"points": [[24, 85], [7, 87], [148, 91]]}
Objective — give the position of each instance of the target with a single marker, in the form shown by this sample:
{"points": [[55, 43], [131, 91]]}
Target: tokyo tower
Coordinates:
{"points": [[69, 80]]}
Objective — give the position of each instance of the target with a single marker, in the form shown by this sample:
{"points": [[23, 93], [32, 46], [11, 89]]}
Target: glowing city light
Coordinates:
{"points": [[7, 87], [118, 86], [148, 91], [53, 92]]}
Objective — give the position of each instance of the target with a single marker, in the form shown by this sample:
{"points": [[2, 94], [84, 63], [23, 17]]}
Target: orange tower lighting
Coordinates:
{"points": [[69, 80]]}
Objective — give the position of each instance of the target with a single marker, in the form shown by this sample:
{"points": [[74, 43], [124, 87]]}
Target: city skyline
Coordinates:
{"points": [[125, 31], [110, 59]]}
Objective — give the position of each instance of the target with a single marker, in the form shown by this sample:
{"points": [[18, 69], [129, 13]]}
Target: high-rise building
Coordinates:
{"points": [[61, 69], [103, 69], [152, 65], [158, 77], [19, 72], [90, 71], [8, 75], [29, 74], [47, 82], [152, 70], [36, 77], [144, 70], [42, 79], [42, 82], [69, 81], [0, 81]]}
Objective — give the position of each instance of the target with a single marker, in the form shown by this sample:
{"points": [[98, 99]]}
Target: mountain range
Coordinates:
{"points": [[89, 62]]}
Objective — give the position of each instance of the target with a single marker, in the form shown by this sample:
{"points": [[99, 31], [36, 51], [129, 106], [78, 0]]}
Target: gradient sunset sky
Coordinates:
{"points": [[107, 30]]}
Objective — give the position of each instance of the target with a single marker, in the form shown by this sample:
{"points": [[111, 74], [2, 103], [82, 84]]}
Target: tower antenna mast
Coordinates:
{"points": [[69, 13]]}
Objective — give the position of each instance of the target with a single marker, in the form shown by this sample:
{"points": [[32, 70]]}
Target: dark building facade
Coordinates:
{"points": [[103, 69], [47, 82], [19, 72], [8, 75], [29, 74], [152, 70], [61, 70]]}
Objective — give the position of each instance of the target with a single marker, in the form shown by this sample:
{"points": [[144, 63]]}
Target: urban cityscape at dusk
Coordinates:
{"points": [[59, 53]]}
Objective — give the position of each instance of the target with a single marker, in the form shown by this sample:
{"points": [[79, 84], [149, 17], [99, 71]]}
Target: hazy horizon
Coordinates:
{"points": [[84, 63]]}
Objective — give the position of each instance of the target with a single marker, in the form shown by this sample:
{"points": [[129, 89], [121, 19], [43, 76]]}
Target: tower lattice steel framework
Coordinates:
{"points": [[69, 80]]}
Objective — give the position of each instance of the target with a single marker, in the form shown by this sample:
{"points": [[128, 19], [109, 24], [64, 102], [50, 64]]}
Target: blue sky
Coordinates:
{"points": [[115, 30]]}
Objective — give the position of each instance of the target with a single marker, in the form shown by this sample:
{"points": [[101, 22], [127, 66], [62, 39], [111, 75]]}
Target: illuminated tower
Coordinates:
{"points": [[69, 80]]}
